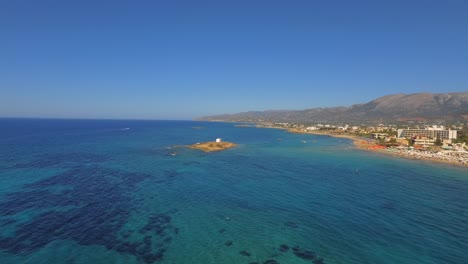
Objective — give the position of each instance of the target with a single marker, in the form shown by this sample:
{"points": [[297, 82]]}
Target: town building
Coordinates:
{"points": [[380, 135], [430, 132]]}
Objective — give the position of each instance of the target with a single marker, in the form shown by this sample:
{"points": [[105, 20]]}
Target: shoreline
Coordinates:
{"points": [[366, 144], [404, 154]]}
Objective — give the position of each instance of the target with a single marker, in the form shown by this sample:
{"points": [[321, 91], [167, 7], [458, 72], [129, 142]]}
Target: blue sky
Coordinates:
{"points": [[184, 59]]}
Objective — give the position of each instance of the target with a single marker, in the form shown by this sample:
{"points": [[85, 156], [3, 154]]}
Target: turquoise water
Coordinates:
{"points": [[84, 191]]}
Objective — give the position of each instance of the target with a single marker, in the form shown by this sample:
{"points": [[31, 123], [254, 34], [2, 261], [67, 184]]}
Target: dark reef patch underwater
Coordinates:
{"points": [[89, 191], [61, 160], [98, 207]]}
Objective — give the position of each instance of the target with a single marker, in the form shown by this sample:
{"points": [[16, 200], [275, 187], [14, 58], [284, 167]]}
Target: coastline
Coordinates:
{"points": [[367, 145]]}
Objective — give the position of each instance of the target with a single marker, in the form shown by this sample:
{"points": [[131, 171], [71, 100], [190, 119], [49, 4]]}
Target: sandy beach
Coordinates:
{"points": [[447, 157]]}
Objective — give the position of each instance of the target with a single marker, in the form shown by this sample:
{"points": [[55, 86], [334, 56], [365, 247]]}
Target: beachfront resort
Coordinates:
{"points": [[415, 141]]}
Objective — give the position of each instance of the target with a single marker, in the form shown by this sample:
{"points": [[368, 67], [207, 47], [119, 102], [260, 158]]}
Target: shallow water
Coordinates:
{"points": [[88, 191]]}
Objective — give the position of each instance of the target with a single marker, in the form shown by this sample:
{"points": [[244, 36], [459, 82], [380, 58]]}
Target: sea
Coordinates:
{"points": [[117, 191]]}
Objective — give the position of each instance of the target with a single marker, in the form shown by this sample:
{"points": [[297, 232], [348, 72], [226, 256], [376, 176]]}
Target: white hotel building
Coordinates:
{"points": [[430, 132]]}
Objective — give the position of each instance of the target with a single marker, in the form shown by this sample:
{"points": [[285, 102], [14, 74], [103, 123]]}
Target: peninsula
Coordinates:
{"points": [[212, 146]]}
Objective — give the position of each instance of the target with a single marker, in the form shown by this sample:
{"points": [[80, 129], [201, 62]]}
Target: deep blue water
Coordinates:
{"points": [[96, 191]]}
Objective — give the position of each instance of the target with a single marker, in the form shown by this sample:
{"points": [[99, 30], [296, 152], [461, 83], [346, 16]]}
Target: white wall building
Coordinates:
{"points": [[428, 132]]}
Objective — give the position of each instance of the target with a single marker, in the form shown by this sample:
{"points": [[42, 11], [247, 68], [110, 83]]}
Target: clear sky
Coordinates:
{"points": [[184, 59]]}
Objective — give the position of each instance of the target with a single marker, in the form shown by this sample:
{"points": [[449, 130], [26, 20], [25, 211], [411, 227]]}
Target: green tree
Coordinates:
{"points": [[462, 136]]}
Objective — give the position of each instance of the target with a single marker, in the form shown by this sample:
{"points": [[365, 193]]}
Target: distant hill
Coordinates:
{"points": [[397, 107]]}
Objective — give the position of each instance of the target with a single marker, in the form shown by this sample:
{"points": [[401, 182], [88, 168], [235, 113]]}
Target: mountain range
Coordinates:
{"points": [[396, 107]]}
